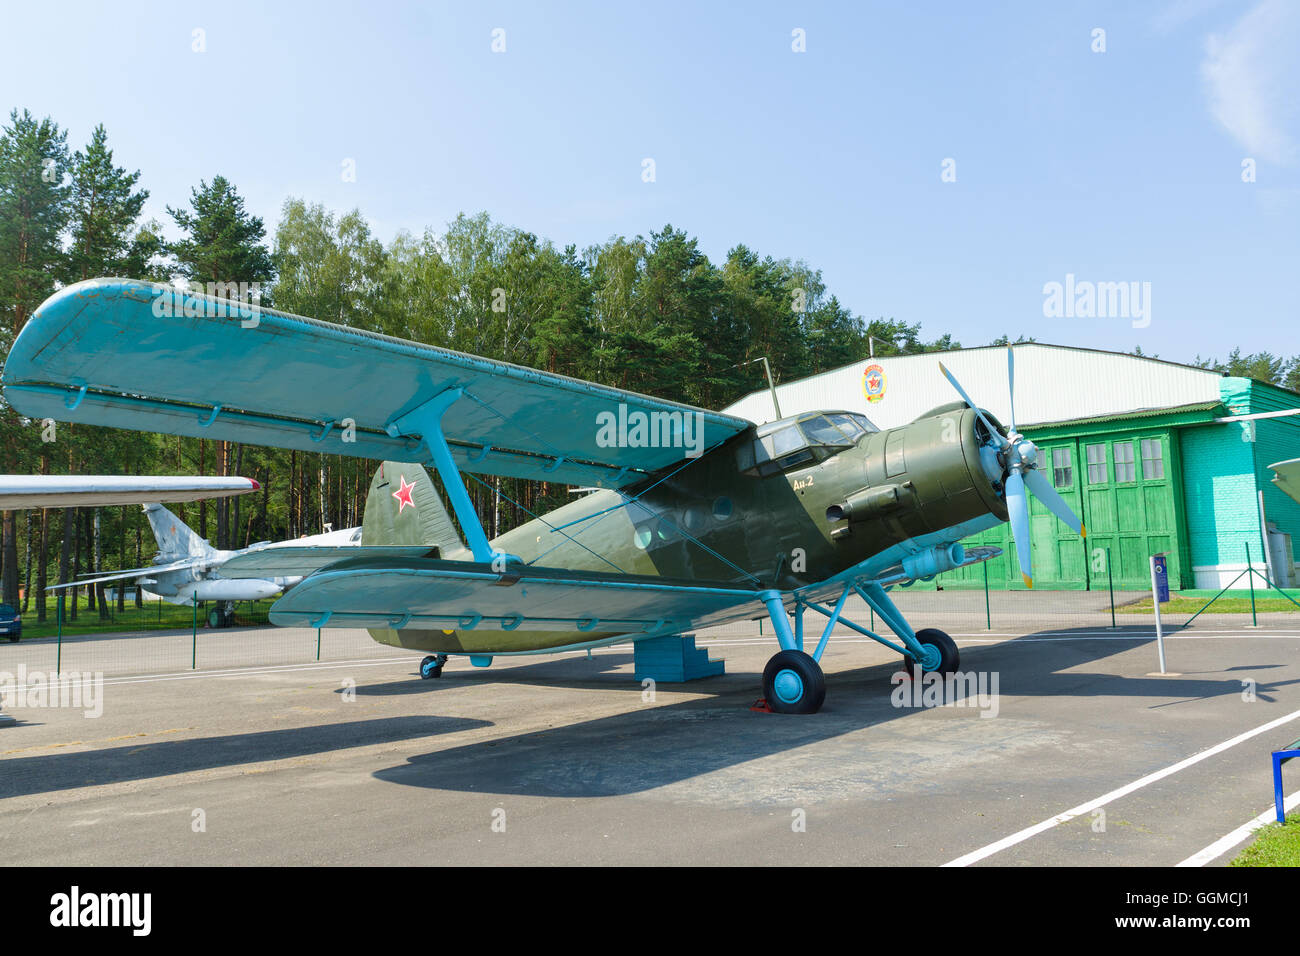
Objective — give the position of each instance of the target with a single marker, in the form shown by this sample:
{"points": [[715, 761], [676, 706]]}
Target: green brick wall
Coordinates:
{"points": [[1218, 488]]}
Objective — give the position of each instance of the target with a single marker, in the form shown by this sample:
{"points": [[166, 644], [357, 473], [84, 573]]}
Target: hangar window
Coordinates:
{"points": [[1153, 458], [1062, 468], [1096, 463], [1124, 467]]}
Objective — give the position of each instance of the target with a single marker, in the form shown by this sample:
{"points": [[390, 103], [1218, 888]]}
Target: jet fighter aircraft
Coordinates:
{"points": [[701, 517], [187, 568]]}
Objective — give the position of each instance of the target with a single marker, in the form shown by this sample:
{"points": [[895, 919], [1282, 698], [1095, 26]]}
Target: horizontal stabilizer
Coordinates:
{"points": [[197, 563], [462, 595], [301, 561]]}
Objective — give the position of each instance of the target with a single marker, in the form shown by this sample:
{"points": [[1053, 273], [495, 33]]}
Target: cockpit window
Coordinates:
{"points": [[825, 430], [791, 443]]}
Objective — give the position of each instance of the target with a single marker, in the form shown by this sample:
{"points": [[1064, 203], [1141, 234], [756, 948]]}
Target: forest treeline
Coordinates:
{"points": [[650, 313]]}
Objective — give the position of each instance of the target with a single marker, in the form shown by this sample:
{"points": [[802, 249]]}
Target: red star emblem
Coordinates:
{"points": [[403, 496]]}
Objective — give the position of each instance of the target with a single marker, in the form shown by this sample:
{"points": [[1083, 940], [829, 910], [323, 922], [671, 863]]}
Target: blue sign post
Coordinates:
{"points": [[1159, 594], [1161, 569]]}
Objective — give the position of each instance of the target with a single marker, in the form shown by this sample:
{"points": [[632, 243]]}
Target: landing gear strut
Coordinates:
{"points": [[793, 682], [431, 666]]}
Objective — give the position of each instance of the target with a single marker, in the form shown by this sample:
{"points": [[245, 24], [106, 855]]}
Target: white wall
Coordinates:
{"points": [[1053, 383]]}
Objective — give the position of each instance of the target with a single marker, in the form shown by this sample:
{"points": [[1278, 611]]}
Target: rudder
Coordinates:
{"points": [[174, 537], [404, 508]]}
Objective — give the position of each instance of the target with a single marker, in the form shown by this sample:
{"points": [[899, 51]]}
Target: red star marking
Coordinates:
{"points": [[403, 496]]}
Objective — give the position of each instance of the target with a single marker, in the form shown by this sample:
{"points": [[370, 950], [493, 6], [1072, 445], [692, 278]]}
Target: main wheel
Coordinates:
{"points": [[793, 683], [941, 652], [430, 667]]}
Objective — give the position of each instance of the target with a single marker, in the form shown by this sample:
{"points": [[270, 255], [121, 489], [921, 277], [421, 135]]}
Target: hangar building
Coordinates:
{"points": [[1138, 446]]}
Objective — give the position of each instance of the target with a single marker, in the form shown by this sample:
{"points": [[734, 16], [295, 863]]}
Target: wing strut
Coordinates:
{"points": [[426, 421]]}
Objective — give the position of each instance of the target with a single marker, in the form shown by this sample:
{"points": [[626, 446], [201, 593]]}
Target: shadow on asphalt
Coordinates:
{"points": [[652, 745], [46, 773]]}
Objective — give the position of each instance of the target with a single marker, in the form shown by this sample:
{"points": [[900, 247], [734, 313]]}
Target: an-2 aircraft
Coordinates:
{"points": [[701, 517]]}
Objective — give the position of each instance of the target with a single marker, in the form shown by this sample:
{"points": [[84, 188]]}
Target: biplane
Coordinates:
{"points": [[694, 517]]}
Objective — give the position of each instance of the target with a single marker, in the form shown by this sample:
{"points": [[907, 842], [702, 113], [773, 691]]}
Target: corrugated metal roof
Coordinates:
{"points": [[1209, 408], [1054, 383]]}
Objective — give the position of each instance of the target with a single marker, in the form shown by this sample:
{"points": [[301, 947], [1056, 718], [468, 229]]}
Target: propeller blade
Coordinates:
{"points": [[1011, 384], [1018, 508], [1042, 489], [966, 398]]}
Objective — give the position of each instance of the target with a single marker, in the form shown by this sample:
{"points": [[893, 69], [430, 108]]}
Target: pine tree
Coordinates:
{"points": [[104, 211], [33, 215], [223, 242]]}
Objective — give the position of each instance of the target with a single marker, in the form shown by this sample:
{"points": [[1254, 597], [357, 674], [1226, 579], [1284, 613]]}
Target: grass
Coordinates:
{"points": [[153, 616], [1224, 605], [1277, 844]]}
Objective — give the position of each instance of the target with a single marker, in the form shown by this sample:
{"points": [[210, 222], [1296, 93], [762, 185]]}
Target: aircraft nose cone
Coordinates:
{"points": [[1027, 452]]}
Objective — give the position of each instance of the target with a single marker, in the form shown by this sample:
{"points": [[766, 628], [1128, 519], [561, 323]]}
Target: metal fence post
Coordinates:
{"points": [[194, 640], [58, 667], [318, 643], [1250, 576], [1110, 585], [988, 613]]}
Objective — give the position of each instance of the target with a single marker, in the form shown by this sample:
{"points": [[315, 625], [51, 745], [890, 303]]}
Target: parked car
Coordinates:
{"points": [[11, 622]]}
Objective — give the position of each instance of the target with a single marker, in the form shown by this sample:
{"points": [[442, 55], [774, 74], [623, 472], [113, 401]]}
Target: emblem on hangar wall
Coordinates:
{"points": [[873, 383]]}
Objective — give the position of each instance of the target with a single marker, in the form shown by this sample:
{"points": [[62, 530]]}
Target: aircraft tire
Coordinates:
{"points": [[949, 656], [793, 683], [430, 668]]}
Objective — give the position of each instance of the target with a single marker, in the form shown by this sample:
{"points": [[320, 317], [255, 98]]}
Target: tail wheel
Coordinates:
{"points": [[793, 683], [941, 654], [430, 667]]}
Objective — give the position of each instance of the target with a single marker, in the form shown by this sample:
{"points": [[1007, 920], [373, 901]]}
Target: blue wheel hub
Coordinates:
{"points": [[931, 658], [788, 686]]}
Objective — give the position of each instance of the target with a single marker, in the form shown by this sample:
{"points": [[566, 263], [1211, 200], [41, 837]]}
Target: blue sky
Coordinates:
{"points": [[1115, 166]]}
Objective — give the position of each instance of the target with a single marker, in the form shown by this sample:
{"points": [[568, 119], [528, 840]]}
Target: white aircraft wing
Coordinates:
{"points": [[94, 491], [199, 562]]}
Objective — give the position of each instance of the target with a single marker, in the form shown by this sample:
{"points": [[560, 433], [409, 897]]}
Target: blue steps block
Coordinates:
{"points": [[673, 659]]}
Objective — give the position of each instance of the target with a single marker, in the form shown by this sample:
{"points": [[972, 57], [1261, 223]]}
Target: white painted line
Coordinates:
{"points": [[242, 671], [976, 855], [1226, 843]]}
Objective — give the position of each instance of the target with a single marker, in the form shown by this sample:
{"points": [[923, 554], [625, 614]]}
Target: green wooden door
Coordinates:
{"points": [[1128, 505]]}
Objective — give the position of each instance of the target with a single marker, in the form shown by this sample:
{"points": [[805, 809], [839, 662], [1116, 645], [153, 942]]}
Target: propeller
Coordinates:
{"points": [[1020, 460]]}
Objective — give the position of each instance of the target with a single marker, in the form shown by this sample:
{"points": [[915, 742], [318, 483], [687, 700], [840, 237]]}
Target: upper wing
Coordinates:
{"points": [[1288, 477], [94, 491], [134, 355]]}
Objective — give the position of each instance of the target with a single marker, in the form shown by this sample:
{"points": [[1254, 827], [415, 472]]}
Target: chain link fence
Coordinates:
{"points": [[165, 638]]}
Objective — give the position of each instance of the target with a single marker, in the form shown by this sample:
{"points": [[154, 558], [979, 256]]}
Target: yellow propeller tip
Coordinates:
{"points": [[1029, 582]]}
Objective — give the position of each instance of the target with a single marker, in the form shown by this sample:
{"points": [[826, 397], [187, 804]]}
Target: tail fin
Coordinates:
{"points": [[403, 508], [175, 539]]}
